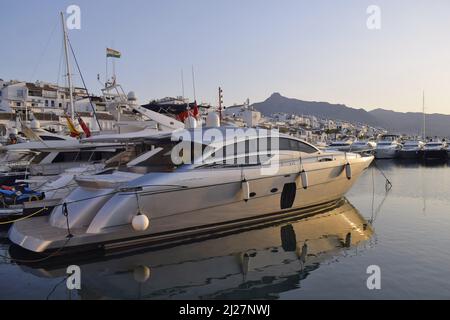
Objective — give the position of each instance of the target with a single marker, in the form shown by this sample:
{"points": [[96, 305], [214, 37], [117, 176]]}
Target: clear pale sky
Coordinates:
{"points": [[318, 50]]}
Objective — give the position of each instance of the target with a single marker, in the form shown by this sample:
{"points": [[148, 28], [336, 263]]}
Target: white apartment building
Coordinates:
{"points": [[37, 97]]}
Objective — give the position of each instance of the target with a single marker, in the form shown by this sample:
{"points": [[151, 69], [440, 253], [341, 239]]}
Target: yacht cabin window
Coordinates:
{"points": [[161, 161], [254, 151], [83, 156], [51, 138], [295, 145]]}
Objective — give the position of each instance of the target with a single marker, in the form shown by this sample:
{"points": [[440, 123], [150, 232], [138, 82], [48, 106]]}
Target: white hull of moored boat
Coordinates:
{"points": [[386, 153], [214, 200]]}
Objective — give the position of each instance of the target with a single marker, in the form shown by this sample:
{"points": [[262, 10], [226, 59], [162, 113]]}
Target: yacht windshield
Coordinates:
{"points": [[157, 156]]}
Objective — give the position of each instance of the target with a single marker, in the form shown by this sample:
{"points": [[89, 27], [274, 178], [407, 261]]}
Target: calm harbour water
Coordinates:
{"points": [[409, 239]]}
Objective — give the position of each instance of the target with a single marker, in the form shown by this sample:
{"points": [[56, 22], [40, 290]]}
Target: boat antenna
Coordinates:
{"points": [[106, 69], [69, 76], [193, 83], [182, 84], [424, 116], [220, 102]]}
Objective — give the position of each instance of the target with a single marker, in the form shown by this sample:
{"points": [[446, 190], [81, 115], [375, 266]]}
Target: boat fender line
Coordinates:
{"points": [[304, 179], [140, 222], [245, 189], [348, 170], [65, 213]]}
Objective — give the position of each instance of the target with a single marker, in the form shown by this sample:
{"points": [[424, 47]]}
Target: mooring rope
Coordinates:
{"points": [[388, 185], [23, 218], [65, 213]]}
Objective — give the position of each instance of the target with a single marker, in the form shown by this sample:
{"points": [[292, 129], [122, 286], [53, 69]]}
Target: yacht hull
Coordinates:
{"points": [[198, 209], [409, 154], [435, 154], [386, 153]]}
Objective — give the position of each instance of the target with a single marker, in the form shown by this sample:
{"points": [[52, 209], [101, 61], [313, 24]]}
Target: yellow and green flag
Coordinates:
{"points": [[111, 53]]}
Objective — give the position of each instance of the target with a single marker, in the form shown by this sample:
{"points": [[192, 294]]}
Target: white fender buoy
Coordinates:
{"points": [[140, 222], [348, 171], [141, 274], [304, 178], [245, 259], [245, 189], [303, 252]]}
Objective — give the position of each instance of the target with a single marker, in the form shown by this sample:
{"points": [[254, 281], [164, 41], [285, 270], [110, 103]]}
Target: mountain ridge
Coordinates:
{"points": [[394, 121]]}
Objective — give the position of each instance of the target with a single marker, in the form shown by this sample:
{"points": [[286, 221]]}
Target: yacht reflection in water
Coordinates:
{"points": [[258, 263]]}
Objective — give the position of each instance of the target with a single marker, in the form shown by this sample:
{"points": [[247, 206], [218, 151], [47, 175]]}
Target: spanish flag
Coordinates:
{"points": [[111, 53], [73, 131]]}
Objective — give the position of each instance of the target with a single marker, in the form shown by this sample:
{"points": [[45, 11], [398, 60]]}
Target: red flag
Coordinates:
{"points": [[183, 115], [85, 128], [195, 113]]}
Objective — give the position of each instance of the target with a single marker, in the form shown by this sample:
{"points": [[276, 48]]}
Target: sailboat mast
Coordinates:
{"points": [[69, 75], [193, 83], [423, 110], [182, 84]]}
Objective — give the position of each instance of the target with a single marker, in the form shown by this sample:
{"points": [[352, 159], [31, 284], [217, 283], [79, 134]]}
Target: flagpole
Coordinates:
{"points": [[114, 71], [193, 82], [113, 65], [424, 117], [106, 60], [182, 84]]}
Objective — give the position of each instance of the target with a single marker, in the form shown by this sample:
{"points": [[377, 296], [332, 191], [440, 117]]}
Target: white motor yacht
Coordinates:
{"points": [[340, 145], [51, 191], [412, 149], [51, 158], [174, 194], [435, 149], [363, 145], [388, 147]]}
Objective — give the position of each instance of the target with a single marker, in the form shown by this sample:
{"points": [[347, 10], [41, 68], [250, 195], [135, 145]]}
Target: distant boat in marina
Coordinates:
{"points": [[412, 149], [363, 145], [435, 150], [340, 145], [387, 147]]}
